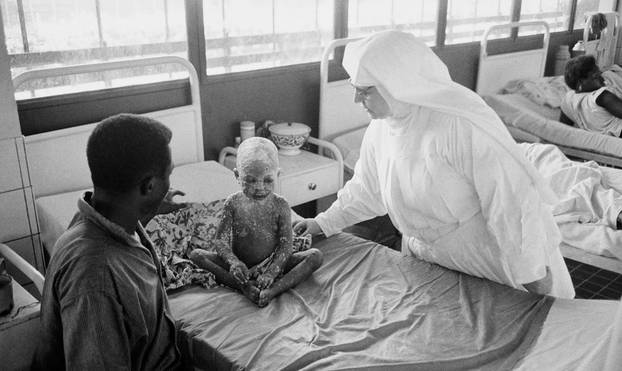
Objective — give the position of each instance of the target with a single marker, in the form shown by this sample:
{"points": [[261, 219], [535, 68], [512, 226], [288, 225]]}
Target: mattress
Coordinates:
{"points": [[202, 182], [522, 116], [349, 144], [367, 307]]}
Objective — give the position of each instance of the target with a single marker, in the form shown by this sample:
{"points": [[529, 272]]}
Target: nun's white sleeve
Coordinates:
{"points": [[522, 224], [360, 197]]}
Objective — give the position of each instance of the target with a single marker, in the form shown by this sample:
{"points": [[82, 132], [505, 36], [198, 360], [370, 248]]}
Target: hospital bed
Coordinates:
{"points": [[513, 84], [529, 107], [344, 123], [367, 307]]}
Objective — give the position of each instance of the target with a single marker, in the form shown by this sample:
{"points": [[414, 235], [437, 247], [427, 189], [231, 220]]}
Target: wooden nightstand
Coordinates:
{"points": [[304, 177], [19, 331]]}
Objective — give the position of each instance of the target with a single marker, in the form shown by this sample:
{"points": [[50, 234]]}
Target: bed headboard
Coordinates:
{"points": [[57, 159], [338, 112], [495, 71]]}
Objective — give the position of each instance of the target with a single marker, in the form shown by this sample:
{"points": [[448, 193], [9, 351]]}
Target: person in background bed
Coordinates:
{"points": [[441, 163], [590, 105], [254, 239], [104, 305]]}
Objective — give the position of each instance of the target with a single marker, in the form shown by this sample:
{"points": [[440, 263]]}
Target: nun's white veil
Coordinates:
{"points": [[408, 70]]}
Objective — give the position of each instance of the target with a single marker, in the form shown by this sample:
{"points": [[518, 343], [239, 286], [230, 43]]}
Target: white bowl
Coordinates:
{"points": [[289, 136]]}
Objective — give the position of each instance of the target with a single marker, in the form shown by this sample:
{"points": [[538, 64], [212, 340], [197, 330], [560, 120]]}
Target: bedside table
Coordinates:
{"points": [[19, 331], [304, 177]]}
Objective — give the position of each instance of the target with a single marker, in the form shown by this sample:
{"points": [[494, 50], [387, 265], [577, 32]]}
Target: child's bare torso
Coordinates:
{"points": [[256, 228]]}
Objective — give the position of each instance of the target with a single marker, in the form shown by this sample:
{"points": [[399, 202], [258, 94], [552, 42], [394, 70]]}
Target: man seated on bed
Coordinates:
{"points": [[254, 238], [104, 305], [591, 105]]}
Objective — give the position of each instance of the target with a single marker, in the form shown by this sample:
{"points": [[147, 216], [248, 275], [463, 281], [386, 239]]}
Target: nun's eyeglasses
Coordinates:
{"points": [[362, 91]]}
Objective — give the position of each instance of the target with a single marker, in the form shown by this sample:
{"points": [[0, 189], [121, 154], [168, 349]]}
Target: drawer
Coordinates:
{"points": [[309, 186]]}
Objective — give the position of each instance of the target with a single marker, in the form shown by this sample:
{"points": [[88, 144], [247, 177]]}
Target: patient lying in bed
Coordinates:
{"points": [[591, 105], [254, 240]]}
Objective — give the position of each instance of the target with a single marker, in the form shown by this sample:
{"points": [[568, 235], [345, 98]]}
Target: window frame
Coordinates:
{"points": [[197, 46]]}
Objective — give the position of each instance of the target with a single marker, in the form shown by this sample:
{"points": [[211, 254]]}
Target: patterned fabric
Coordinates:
{"points": [[174, 235]]}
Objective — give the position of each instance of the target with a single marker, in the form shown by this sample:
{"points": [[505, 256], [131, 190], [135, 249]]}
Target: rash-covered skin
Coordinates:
{"points": [[254, 239], [251, 231]]}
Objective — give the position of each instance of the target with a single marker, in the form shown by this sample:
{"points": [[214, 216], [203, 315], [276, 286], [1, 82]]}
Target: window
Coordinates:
{"points": [[585, 6], [242, 35], [42, 33], [468, 19], [555, 12], [416, 16]]}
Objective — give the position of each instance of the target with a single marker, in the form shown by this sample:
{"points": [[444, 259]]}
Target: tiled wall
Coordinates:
{"points": [[18, 220]]}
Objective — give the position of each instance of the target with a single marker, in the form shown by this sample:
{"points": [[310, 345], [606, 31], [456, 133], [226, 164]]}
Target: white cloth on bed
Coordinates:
{"points": [[589, 205], [447, 172], [587, 114]]}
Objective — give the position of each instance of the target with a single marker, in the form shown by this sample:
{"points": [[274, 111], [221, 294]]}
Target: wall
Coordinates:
{"points": [[18, 223]]}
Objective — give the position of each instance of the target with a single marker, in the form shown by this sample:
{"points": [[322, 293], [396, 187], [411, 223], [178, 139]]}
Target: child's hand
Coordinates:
{"points": [[265, 280], [239, 271]]}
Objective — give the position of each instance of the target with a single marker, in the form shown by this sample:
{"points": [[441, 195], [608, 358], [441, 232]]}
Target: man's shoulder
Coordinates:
{"points": [[84, 249]]}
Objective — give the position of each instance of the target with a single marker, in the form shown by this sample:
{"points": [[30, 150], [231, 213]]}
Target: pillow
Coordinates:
{"points": [[547, 91], [175, 234]]}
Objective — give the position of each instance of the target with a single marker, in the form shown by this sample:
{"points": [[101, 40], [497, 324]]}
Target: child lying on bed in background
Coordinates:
{"points": [[254, 240], [590, 105]]}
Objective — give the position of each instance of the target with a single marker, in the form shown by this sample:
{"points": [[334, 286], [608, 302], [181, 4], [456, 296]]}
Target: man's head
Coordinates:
{"points": [[257, 167], [128, 154], [583, 75]]}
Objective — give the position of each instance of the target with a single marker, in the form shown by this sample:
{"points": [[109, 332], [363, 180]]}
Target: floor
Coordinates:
{"points": [[594, 283]]}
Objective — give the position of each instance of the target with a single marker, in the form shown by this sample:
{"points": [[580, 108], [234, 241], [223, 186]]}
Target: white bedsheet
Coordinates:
{"points": [[575, 336], [589, 199], [202, 182], [518, 112]]}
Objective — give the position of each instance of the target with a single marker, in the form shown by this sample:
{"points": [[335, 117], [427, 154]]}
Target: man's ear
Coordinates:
{"points": [[236, 173], [146, 185]]}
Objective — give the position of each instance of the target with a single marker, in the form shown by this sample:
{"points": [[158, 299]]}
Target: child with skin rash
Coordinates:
{"points": [[254, 239]]}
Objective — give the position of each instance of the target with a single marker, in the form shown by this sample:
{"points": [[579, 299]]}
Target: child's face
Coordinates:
{"points": [[593, 81], [257, 179]]}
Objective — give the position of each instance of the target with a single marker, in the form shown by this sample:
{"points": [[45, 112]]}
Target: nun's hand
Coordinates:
{"points": [[306, 226], [542, 286]]}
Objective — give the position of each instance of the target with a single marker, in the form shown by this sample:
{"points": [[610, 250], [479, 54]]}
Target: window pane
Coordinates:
{"points": [[417, 16], [585, 6], [555, 12], [67, 32], [11, 23], [243, 35], [468, 19]]}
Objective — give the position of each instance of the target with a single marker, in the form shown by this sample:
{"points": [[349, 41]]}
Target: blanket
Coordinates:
{"points": [[175, 234], [588, 206]]}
